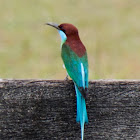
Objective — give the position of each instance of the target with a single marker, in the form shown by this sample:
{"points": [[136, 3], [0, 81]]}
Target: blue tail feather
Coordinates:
{"points": [[81, 111]]}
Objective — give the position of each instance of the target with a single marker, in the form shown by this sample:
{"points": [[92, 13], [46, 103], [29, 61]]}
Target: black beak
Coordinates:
{"points": [[53, 25]]}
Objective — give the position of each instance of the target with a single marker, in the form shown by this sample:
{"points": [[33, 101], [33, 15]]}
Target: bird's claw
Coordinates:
{"points": [[66, 78]]}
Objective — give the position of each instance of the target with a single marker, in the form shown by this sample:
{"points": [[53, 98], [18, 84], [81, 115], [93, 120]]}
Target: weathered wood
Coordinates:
{"points": [[46, 110]]}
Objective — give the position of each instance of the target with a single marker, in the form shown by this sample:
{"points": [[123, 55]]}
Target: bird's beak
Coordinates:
{"points": [[53, 25]]}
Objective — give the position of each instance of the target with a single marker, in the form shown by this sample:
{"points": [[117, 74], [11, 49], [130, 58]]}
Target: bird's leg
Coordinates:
{"points": [[67, 77]]}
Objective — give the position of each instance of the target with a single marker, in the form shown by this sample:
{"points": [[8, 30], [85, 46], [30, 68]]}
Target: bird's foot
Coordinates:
{"points": [[66, 78]]}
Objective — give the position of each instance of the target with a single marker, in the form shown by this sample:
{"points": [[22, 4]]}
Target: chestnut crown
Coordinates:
{"points": [[68, 29]]}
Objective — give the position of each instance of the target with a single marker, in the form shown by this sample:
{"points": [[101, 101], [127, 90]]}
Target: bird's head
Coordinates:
{"points": [[67, 28]]}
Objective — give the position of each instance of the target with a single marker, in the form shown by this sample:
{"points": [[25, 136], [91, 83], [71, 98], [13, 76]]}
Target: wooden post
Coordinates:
{"points": [[46, 110]]}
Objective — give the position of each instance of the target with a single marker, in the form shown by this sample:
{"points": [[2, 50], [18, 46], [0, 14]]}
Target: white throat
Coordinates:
{"points": [[63, 37]]}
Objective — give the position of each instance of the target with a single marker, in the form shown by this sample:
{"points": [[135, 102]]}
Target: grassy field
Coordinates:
{"points": [[110, 30]]}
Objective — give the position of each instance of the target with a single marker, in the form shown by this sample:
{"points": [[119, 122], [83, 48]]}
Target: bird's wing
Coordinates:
{"points": [[77, 67]]}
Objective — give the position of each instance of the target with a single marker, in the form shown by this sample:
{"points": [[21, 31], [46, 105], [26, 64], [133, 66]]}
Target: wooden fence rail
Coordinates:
{"points": [[46, 110]]}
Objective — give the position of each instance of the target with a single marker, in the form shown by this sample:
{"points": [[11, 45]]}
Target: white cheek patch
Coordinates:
{"points": [[83, 75]]}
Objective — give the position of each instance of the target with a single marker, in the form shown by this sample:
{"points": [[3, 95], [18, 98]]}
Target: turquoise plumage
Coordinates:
{"points": [[77, 69], [74, 56]]}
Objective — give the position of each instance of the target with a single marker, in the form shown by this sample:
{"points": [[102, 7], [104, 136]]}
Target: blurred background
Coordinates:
{"points": [[110, 30]]}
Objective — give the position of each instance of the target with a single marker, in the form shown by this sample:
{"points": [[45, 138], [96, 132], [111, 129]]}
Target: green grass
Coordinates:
{"points": [[109, 29]]}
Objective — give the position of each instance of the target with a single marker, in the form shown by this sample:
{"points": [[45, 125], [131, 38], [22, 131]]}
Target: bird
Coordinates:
{"points": [[74, 56]]}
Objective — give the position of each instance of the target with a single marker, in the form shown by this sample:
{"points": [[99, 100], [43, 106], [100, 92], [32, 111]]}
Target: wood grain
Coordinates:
{"points": [[46, 110]]}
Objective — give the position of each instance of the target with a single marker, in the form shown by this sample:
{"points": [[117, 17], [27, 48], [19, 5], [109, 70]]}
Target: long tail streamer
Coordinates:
{"points": [[81, 111]]}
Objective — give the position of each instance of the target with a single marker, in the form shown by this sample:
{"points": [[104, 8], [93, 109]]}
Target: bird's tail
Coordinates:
{"points": [[81, 111]]}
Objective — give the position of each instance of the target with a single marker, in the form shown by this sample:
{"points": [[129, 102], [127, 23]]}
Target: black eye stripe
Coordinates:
{"points": [[63, 30]]}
